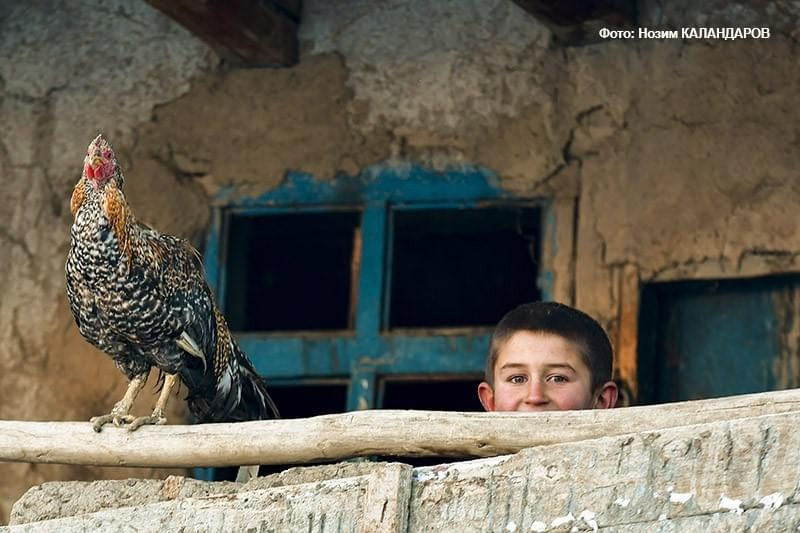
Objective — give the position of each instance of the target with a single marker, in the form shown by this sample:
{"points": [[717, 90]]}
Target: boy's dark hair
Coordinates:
{"points": [[558, 319]]}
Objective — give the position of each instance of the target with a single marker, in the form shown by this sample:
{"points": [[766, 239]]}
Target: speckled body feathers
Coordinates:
{"points": [[134, 291]]}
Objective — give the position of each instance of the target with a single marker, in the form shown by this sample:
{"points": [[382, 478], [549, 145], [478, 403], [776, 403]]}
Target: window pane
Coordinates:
{"points": [[462, 267], [290, 272], [432, 393], [301, 401]]}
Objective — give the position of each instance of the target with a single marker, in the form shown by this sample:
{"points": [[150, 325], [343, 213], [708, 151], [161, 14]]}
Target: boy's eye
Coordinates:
{"points": [[517, 380], [557, 378]]}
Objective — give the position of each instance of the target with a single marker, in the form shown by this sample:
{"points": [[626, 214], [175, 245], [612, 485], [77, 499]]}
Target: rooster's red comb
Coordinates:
{"points": [[100, 162], [100, 143]]}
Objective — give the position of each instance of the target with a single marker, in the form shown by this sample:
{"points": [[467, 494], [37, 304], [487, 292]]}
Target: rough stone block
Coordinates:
{"points": [[342, 497], [720, 476]]}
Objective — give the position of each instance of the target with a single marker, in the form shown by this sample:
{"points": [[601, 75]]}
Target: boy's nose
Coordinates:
{"points": [[536, 394]]}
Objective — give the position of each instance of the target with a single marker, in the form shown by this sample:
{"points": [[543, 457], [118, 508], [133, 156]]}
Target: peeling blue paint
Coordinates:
{"points": [[398, 184], [546, 280], [546, 283], [213, 266], [367, 352]]}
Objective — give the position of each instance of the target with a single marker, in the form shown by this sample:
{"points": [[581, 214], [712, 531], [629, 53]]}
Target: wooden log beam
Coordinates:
{"points": [[253, 33], [361, 433], [571, 20], [627, 346]]}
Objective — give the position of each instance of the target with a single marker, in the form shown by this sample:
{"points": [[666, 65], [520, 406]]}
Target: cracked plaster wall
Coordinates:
{"points": [[683, 155], [65, 74], [690, 164]]}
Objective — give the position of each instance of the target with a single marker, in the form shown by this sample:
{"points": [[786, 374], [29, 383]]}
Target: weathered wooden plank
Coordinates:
{"points": [[292, 7], [575, 12], [570, 20], [557, 274], [244, 32], [364, 433], [626, 360]]}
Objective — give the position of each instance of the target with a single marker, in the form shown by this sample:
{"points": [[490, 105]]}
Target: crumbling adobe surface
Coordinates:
{"points": [[681, 156]]}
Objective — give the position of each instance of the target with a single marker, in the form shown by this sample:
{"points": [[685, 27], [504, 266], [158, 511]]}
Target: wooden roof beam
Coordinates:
{"points": [[578, 21], [247, 33]]}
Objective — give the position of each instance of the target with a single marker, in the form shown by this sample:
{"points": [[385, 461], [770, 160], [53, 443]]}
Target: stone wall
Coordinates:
{"points": [[680, 157]]}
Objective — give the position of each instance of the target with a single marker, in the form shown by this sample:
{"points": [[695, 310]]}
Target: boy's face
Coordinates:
{"points": [[539, 372]]}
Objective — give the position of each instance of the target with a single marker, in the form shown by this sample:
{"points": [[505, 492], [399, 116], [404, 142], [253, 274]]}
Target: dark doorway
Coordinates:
{"points": [[705, 339]]}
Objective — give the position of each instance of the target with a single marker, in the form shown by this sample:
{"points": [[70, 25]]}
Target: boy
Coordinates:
{"points": [[546, 356]]}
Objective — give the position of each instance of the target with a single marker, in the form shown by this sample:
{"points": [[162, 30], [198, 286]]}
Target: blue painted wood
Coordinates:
{"points": [[253, 211], [385, 311], [721, 338], [362, 391], [399, 183], [546, 279], [311, 356], [370, 284], [203, 474], [434, 354], [406, 187]]}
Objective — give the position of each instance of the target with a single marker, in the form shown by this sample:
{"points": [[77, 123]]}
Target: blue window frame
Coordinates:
{"points": [[371, 349]]}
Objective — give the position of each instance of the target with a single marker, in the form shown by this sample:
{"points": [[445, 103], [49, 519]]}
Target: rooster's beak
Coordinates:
{"points": [[96, 162]]}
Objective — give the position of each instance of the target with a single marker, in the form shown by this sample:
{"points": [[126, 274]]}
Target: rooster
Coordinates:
{"points": [[141, 297]]}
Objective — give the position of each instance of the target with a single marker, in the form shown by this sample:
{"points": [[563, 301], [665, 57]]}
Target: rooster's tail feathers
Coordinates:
{"points": [[236, 393]]}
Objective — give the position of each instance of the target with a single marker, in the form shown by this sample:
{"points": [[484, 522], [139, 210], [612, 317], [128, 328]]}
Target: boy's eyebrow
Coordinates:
{"points": [[560, 365], [548, 366], [513, 365]]}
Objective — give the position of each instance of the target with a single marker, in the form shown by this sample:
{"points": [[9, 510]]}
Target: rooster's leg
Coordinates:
{"points": [[157, 418], [119, 414]]}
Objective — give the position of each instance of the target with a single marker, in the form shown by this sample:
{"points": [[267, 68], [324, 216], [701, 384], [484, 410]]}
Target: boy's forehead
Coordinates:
{"points": [[534, 348]]}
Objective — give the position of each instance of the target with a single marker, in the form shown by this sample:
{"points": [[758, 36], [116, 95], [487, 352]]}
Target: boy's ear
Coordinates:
{"points": [[606, 397], [486, 396]]}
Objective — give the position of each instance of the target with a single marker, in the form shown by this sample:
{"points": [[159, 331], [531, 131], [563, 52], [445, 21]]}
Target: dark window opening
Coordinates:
{"points": [[310, 399], [289, 272], [707, 339], [298, 401], [462, 267], [431, 393]]}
